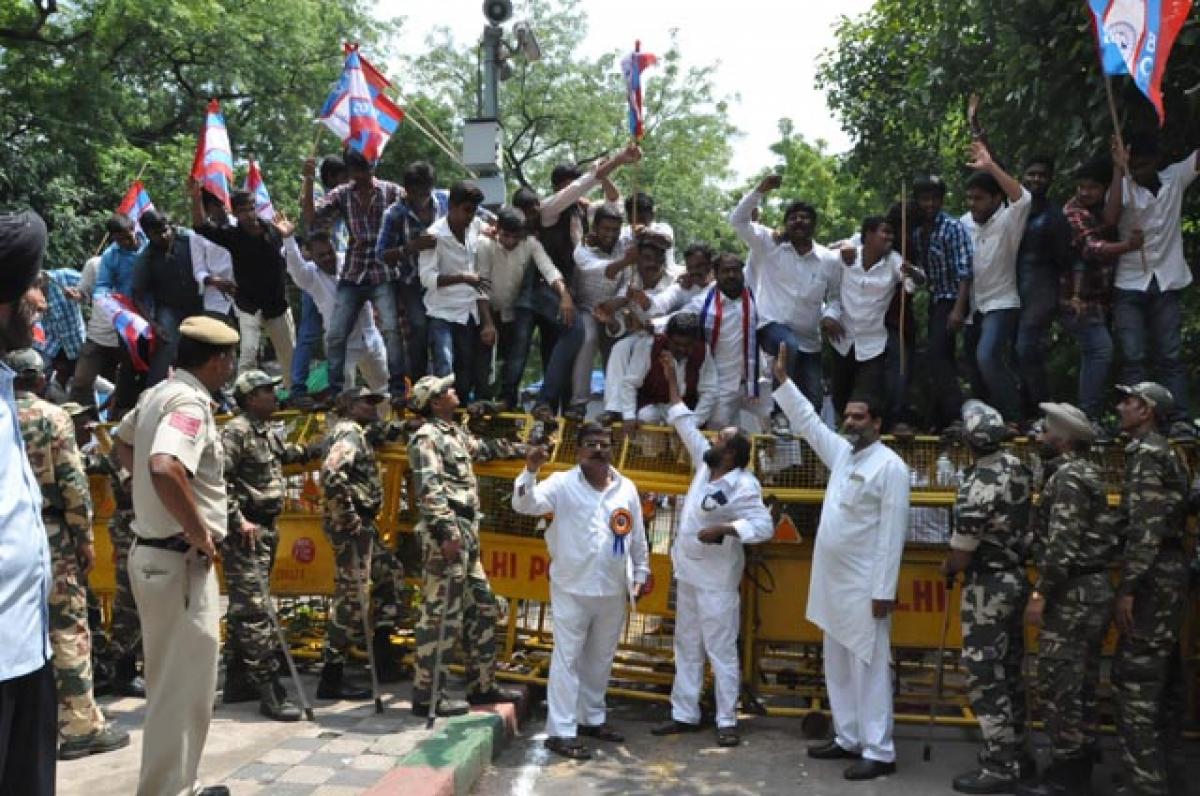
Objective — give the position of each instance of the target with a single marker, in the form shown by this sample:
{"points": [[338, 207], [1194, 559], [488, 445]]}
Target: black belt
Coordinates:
{"points": [[53, 514], [1079, 572], [175, 544], [260, 519]]}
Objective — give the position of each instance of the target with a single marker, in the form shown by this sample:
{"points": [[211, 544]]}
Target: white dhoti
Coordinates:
{"points": [[860, 696], [586, 632], [706, 621]]}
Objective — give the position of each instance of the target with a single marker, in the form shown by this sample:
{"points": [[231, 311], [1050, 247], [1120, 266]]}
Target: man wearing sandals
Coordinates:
{"points": [[599, 559], [723, 510]]}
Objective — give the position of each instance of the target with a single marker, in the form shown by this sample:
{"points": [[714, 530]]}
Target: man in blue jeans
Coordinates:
{"points": [[943, 251], [1150, 282], [796, 279], [1086, 290], [332, 173], [402, 238], [997, 209], [360, 204], [1044, 256], [456, 303]]}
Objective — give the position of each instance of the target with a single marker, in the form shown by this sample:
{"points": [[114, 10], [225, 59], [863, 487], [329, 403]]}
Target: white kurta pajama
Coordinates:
{"points": [[591, 583], [708, 576], [856, 559]]}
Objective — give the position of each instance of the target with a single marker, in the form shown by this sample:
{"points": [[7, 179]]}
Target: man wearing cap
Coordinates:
{"points": [[171, 444], [1072, 596], [28, 706], [1147, 679], [447, 495], [255, 453], [991, 512], [67, 514], [353, 497], [115, 664]]}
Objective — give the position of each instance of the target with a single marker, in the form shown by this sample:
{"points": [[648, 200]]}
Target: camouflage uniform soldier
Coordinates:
{"points": [[1150, 604], [990, 516], [455, 588], [120, 653], [67, 514], [353, 497], [1072, 598], [254, 457]]}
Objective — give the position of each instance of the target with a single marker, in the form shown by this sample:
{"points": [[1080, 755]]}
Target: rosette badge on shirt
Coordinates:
{"points": [[621, 523]]}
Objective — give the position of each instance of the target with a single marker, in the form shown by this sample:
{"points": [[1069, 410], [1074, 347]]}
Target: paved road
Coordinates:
{"points": [[771, 761]]}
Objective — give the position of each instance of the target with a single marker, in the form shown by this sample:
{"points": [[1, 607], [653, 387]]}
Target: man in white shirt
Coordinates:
{"points": [[855, 568], [599, 563], [728, 318], [697, 276], [460, 318], [797, 278], [868, 284], [504, 265], [998, 207], [600, 255], [1147, 312], [635, 387], [640, 219], [365, 350], [635, 309], [724, 502]]}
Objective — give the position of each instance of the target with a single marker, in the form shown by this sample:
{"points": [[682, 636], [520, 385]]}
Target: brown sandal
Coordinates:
{"points": [[570, 748]]}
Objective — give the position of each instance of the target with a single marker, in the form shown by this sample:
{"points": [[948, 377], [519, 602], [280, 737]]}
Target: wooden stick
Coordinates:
{"points": [[903, 259], [1112, 110], [104, 239]]}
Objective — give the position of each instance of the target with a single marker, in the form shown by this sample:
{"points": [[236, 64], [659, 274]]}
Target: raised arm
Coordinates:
{"points": [[981, 160], [681, 417], [756, 236], [827, 443], [530, 497]]}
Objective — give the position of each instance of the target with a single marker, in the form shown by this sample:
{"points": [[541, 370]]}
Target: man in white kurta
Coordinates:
{"points": [[723, 510], [855, 566], [599, 561]]}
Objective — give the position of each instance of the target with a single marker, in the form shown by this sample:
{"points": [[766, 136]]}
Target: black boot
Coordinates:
{"points": [[332, 686], [274, 706], [388, 667], [238, 687], [126, 681], [1063, 777]]}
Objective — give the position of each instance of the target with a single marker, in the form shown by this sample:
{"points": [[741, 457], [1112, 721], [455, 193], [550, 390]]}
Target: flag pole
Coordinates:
{"points": [[1112, 110], [104, 239], [903, 259], [636, 139]]}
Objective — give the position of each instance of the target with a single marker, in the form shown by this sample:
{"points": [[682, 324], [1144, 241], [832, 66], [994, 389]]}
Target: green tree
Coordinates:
{"points": [[93, 91], [571, 108]]}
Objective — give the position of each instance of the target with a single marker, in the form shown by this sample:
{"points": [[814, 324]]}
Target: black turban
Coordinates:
{"points": [[22, 244]]}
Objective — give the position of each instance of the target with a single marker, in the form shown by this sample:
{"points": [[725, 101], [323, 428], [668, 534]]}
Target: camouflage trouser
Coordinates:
{"points": [[1068, 668], [1146, 675], [471, 612], [250, 635], [993, 603], [345, 624], [71, 640], [125, 631]]}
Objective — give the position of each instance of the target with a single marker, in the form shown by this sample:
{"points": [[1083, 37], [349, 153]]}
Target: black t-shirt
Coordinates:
{"points": [[167, 278], [258, 267]]}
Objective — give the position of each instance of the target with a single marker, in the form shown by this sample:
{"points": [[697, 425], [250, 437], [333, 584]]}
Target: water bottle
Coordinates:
{"points": [[944, 470]]}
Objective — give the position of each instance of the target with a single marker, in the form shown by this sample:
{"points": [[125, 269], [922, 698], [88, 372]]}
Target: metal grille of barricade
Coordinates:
{"points": [[565, 452], [659, 451], [495, 501], [787, 462]]}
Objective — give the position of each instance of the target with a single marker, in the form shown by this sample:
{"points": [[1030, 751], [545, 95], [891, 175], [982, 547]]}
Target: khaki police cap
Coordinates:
{"points": [[1067, 420], [1158, 396], [208, 330], [428, 388], [251, 380], [25, 360]]}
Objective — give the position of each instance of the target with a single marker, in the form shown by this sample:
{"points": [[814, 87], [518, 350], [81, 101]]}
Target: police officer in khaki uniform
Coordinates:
{"points": [[171, 444]]}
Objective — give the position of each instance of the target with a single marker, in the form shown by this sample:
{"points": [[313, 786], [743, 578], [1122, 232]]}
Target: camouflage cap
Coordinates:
{"points": [[251, 380], [983, 426], [1067, 420], [76, 409], [1157, 396], [360, 392], [428, 388], [25, 360]]}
